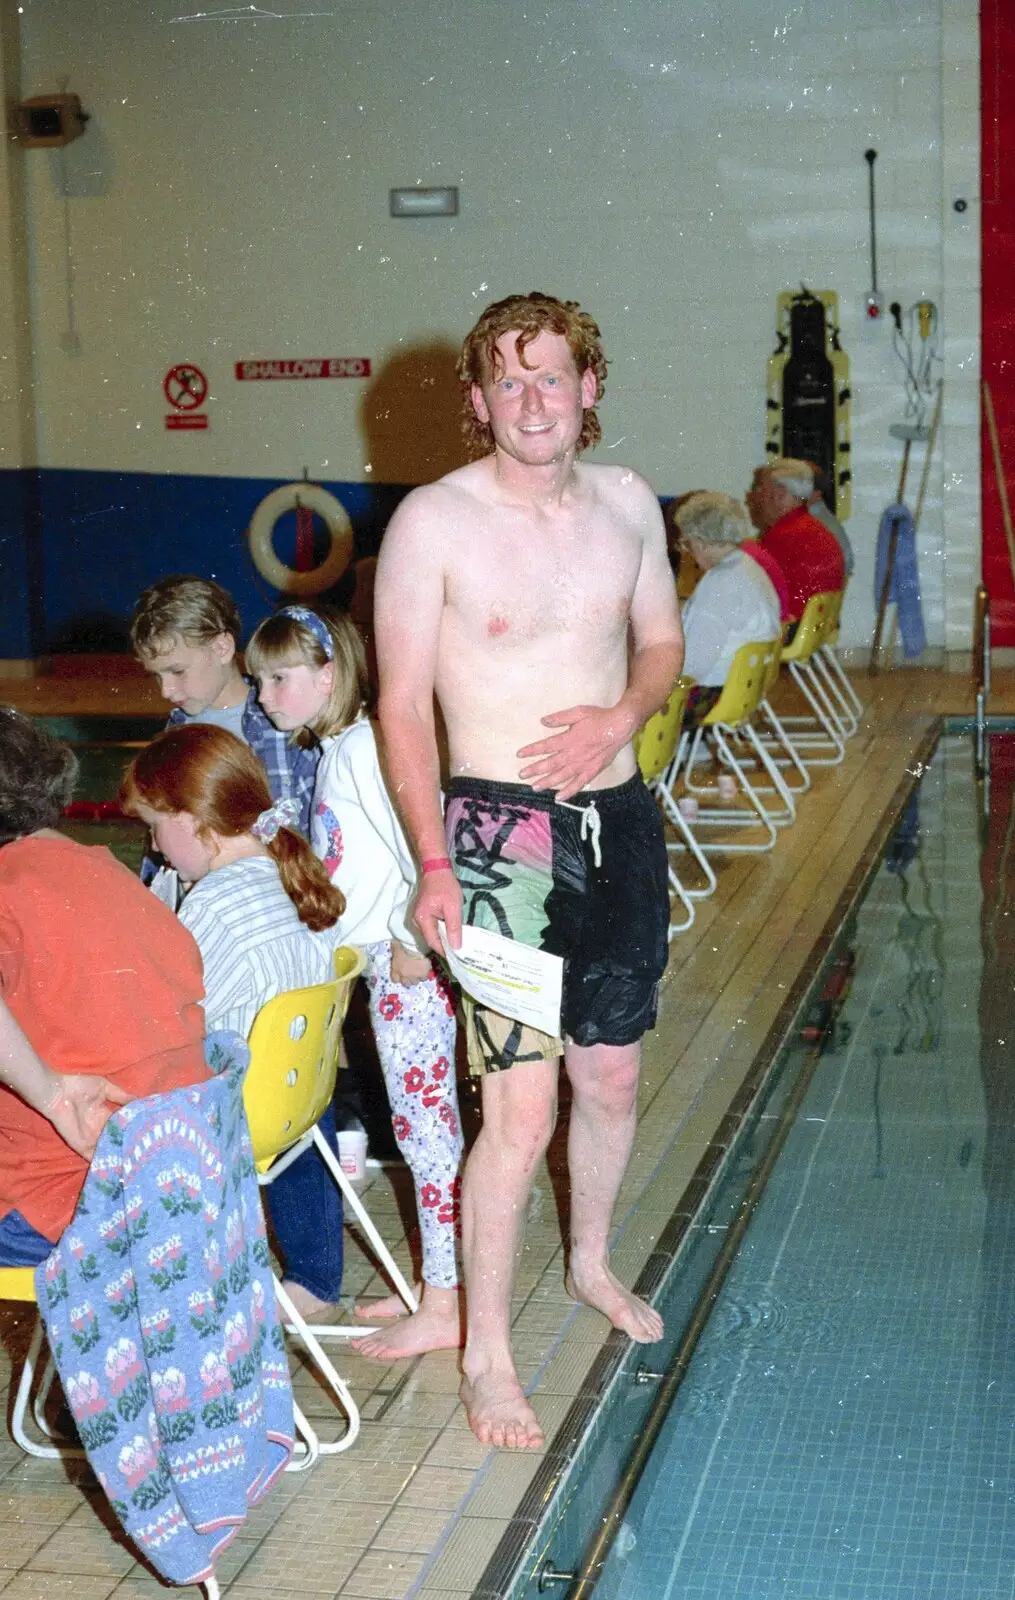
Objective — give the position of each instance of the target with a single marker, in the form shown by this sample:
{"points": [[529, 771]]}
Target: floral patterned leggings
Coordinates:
{"points": [[414, 1028]]}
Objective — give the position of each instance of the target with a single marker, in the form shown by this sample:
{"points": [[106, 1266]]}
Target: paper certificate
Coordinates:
{"points": [[508, 977]]}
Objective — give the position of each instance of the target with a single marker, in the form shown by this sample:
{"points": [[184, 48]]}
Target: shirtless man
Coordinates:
{"points": [[520, 583]]}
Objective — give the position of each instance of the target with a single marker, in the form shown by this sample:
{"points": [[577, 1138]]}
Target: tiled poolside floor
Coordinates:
{"points": [[417, 1507]]}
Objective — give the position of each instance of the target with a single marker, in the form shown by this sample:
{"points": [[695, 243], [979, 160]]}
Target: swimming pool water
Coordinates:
{"points": [[845, 1428]]}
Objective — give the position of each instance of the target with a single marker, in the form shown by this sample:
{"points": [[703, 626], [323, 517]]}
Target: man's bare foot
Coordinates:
{"points": [[437, 1325], [499, 1414], [386, 1310], [309, 1307], [603, 1292]]}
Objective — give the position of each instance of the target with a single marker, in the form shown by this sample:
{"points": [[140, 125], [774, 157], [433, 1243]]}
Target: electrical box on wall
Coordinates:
{"points": [[49, 120]]}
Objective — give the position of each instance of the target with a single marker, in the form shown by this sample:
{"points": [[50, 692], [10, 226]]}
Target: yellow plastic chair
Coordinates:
{"points": [[824, 731], [850, 705], [730, 727], [656, 749], [777, 738], [655, 745], [656, 742], [294, 1045]]}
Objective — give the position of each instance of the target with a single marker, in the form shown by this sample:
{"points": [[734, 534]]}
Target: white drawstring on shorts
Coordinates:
{"points": [[592, 823]]}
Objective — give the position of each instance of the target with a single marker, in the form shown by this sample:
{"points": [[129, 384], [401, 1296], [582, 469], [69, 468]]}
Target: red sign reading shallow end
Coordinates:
{"points": [[305, 367], [187, 420]]}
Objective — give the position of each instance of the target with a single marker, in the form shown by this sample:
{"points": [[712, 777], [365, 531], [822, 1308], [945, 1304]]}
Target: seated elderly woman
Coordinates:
{"points": [[735, 603], [100, 994]]}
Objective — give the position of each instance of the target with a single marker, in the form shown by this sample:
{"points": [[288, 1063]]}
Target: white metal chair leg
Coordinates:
{"points": [[824, 710], [45, 1452], [746, 735], [830, 738], [787, 814], [721, 817], [352, 1199], [779, 738], [323, 1362], [691, 761], [47, 1374], [678, 890], [663, 791], [843, 709], [835, 666], [307, 1447]]}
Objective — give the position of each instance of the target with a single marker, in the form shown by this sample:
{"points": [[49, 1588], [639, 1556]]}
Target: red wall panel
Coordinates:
{"points": [[997, 113]]}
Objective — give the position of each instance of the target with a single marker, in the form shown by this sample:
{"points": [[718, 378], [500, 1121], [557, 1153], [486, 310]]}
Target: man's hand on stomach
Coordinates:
{"points": [[568, 762]]}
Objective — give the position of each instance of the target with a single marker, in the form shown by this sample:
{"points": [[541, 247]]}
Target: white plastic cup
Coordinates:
{"points": [[687, 805], [352, 1153]]}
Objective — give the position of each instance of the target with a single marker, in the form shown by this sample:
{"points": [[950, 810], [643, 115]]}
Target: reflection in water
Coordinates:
{"points": [[997, 1037], [918, 938]]}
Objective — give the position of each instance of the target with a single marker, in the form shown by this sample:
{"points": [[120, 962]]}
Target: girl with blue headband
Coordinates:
{"points": [[312, 675]]}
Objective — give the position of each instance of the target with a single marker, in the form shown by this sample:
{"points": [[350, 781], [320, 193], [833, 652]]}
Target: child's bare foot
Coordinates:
{"points": [[499, 1413], [601, 1290], [309, 1307], [387, 1310], [437, 1325]]}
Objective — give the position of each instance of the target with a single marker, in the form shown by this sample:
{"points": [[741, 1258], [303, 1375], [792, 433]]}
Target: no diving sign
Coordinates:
{"points": [[186, 388], [304, 367]]}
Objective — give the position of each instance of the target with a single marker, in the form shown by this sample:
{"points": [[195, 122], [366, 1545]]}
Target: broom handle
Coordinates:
{"points": [[903, 470], [931, 437]]}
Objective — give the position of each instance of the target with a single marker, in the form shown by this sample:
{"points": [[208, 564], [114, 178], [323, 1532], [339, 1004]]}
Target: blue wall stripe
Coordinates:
{"points": [[77, 547]]}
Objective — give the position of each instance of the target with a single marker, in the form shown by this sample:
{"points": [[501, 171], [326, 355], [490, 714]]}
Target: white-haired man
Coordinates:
{"points": [[808, 554]]}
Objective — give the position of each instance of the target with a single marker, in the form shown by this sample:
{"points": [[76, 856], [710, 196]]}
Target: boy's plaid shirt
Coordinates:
{"points": [[291, 769]]}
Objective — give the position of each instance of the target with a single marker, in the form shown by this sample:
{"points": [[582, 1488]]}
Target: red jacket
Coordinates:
{"points": [[810, 557]]}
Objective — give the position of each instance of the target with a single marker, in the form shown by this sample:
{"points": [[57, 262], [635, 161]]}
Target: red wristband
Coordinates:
{"points": [[435, 864]]}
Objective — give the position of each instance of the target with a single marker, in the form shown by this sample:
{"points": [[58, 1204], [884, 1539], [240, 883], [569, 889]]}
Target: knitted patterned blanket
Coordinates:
{"points": [[161, 1315]]}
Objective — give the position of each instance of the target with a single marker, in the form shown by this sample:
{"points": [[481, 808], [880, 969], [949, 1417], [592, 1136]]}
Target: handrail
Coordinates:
{"points": [[981, 667], [981, 640]]}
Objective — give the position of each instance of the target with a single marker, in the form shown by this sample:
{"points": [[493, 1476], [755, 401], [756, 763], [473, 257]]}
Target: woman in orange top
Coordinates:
{"points": [[100, 994]]}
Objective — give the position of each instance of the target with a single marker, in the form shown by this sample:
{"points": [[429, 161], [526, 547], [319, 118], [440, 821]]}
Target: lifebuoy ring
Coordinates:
{"points": [[289, 497]]}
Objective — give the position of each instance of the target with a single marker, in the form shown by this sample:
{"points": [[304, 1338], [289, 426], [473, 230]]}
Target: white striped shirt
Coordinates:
{"points": [[251, 940]]}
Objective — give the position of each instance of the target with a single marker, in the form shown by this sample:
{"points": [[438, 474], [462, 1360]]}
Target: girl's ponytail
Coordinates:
{"points": [[206, 771], [319, 903]]}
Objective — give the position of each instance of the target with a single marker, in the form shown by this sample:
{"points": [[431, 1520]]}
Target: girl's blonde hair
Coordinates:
{"points": [[216, 778], [285, 640]]}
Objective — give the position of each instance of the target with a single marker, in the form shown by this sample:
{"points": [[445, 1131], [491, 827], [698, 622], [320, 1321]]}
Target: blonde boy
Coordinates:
{"points": [[186, 633]]}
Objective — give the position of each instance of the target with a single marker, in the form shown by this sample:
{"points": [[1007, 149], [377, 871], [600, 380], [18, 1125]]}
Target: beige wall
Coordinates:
{"points": [[17, 403], [672, 164]]}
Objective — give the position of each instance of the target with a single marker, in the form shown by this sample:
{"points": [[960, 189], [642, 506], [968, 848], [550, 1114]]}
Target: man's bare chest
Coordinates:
{"points": [[514, 591]]}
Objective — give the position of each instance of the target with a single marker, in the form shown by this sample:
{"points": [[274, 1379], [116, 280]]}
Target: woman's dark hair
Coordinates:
{"points": [[37, 776]]}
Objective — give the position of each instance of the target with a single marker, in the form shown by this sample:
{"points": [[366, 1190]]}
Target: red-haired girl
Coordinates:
{"points": [[260, 908]]}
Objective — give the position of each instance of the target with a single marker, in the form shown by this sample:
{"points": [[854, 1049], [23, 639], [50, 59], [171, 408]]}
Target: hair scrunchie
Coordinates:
{"points": [[283, 814]]}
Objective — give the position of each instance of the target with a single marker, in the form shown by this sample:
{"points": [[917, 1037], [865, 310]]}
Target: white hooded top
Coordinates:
{"points": [[355, 831]]}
